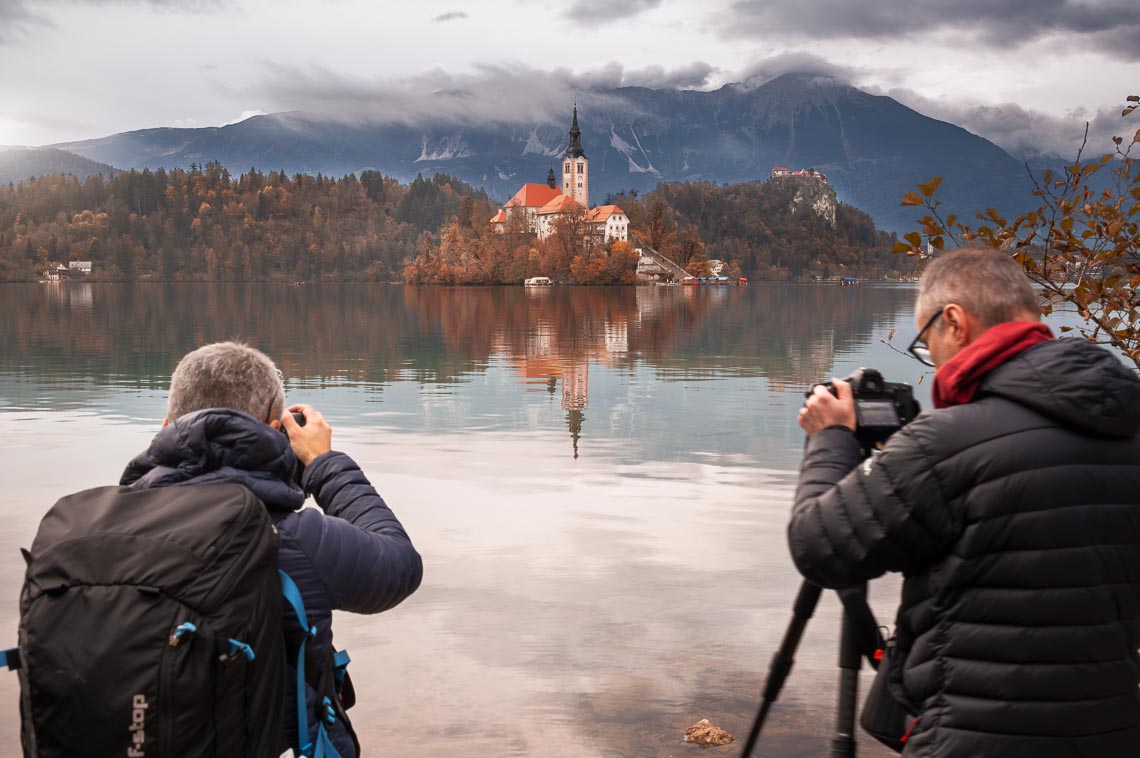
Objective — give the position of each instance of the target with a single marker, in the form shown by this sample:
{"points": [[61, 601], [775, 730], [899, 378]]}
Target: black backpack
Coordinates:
{"points": [[151, 625]]}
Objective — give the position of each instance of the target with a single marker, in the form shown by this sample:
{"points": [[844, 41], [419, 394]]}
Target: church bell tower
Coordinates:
{"points": [[576, 167]]}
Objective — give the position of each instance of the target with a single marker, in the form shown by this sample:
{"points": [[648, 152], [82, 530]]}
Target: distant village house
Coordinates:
{"points": [[58, 272], [543, 204]]}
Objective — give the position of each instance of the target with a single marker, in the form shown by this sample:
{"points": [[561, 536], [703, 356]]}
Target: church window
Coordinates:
{"points": [[580, 168]]}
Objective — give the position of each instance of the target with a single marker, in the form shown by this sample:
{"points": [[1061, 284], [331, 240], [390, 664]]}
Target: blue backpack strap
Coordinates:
{"points": [[340, 665], [324, 745], [10, 658], [293, 597]]}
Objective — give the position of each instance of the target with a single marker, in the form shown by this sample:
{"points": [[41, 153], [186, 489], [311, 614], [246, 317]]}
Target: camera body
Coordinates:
{"points": [[298, 472], [881, 407]]}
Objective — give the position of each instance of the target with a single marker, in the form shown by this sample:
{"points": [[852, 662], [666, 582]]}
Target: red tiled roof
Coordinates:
{"points": [[603, 212], [559, 204], [534, 196], [500, 217]]}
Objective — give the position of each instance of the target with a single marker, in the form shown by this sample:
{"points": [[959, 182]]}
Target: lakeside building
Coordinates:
{"points": [[544, 204]]}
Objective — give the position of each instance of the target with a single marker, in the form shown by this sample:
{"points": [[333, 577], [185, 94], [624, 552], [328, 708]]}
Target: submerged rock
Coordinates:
{"points": [[707, 734]]}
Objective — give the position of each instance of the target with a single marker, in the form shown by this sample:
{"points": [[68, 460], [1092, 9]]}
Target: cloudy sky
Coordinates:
{"points": [[1027, 74]]}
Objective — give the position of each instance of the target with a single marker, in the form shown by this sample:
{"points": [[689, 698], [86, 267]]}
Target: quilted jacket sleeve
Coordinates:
{"points": [[363, 556], [854, 519]]}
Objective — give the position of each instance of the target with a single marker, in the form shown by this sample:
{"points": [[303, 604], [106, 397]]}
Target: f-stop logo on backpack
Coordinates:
{"points": [[138, 727]]}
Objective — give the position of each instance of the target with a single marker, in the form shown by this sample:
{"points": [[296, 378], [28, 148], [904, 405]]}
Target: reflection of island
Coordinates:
{"points": [[372, 335]]}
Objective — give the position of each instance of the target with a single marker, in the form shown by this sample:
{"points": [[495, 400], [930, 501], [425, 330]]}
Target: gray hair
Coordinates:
{"points": [[227, 375], [987, 283]]}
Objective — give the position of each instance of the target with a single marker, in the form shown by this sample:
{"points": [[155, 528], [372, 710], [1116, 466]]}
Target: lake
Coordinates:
{"points": [[598, 480]]}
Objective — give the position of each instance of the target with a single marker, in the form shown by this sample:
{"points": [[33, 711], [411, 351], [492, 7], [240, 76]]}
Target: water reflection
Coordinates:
{"points": [[434, 357]]}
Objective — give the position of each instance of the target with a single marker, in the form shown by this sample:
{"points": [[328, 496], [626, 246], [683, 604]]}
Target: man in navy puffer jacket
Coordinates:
{"points": [[224, 419]]}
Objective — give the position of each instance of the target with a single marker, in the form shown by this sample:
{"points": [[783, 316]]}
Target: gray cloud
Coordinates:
{"points": [[1023, 132], [695, 75], [600, 12], [492, 93], [18, 23], [449, 16], [501, 94], [765, 69], [1112, 25]]}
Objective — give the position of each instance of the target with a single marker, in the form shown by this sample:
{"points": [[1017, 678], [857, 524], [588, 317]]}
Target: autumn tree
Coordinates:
{"points": [[1080, 244], [660, 227]]}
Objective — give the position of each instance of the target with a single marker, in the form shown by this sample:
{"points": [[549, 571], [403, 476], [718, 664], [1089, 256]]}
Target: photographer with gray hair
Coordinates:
{"points": [[1013, 512], [226, 411]]}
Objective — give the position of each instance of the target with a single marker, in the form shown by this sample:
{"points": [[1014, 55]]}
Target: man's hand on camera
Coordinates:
{"points": [[823, 410], [310, 440]]}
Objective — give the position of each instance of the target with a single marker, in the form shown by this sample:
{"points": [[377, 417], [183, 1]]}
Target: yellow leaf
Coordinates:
{"points": [[911, 198], [901, 247], [937, 243], [950, 220], [913, 238], [1136, 137], [930, 187]]}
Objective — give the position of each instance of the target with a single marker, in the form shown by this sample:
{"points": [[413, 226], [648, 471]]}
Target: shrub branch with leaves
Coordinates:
{"points": [[1081, 245]]}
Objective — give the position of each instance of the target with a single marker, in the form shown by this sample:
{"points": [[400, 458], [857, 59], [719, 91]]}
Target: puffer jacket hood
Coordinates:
{"points": [[1074, 381], [220, 445]]}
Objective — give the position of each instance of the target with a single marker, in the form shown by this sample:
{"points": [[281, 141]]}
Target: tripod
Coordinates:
{"points": [[859, 638]]}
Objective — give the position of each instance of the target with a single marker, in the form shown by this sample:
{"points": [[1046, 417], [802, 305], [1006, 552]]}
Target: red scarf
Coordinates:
{"points": [[956, 380]]}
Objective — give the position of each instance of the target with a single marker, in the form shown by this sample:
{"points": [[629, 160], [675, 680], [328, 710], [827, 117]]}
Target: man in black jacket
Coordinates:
{"points": [[1013, 512]]}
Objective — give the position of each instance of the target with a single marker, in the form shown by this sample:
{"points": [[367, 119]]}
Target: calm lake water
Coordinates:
{"points": [[598, 480]]}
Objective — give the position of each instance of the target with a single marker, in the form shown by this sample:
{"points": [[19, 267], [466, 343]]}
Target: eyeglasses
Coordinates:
{"points": [[918, 347]]}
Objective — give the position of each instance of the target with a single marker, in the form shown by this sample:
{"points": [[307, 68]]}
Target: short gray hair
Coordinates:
{"points": [[989, 284], [226, 375]]}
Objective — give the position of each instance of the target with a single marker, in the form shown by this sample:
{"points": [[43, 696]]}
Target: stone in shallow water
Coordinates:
{"points": [[707, 734]]}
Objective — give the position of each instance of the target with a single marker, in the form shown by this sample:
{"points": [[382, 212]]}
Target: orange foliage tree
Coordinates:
{"points": [[1081, 244]]}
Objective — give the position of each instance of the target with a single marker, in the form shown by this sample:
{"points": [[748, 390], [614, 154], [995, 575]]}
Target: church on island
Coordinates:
{"points": [[542, 204]]}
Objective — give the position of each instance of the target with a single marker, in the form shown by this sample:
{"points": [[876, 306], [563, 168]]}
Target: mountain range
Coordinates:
{"points": [[19, 163], [872, 148]]}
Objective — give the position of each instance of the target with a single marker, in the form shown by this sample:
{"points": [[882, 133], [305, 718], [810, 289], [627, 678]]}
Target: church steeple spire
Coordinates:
{"points": [[574, 150], [576, 167]]}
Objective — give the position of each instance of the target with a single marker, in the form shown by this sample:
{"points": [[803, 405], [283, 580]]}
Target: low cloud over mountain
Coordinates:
{"points": [[872, 148]]}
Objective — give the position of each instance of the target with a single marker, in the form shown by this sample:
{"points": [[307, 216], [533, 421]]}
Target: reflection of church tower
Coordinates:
{"points": [[575, 396], [576, 167], [574, 420]]}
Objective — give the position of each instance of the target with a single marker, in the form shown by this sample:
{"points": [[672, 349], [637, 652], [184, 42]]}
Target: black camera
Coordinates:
{"points": [[300, 470], [881, 407]]}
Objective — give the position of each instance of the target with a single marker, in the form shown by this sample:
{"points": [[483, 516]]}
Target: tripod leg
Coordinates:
{"points": [[850, 660], [784, 659]]}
